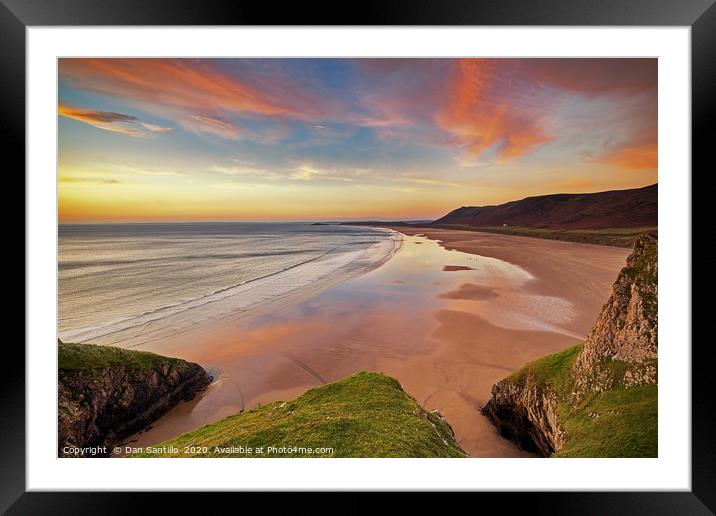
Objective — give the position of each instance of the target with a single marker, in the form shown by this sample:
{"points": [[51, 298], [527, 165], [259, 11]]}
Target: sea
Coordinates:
{"points": [[124, 283]]}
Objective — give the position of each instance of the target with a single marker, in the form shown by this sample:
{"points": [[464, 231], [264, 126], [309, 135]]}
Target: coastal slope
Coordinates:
{"points": [[636, 207], [599, 398], [107, 394], [609, 218], [365, 415]]}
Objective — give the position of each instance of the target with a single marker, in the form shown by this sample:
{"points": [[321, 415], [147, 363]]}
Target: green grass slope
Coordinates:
{"points": [[616, 237], [91, 358], [620, 422], [364, 415]]}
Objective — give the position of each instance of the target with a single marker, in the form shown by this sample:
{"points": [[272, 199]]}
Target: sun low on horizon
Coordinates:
{"points": [[345, 139]]}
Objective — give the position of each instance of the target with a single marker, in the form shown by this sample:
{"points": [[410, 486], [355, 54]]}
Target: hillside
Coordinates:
{"points": [[598, 399], [364, 415], [635, 208], [106, 394]]}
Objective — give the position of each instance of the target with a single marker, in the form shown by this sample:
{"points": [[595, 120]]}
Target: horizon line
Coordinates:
{"points": [[244, 221]]}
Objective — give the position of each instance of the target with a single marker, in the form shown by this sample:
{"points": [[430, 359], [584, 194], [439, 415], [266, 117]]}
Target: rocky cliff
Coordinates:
{"points": [[599, 398], [106, 394], [622, 345], [527, 415]]}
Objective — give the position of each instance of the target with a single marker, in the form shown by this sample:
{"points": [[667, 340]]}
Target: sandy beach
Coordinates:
{"points": [[451, 313]]}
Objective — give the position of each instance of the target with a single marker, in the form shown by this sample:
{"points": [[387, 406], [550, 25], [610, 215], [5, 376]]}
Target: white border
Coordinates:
{"points": [[670, 471]]}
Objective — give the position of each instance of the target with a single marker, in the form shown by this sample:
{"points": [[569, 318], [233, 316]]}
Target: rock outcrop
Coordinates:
{"points": [[102, 400], [620, 352], [526, 414], [622, 345]]}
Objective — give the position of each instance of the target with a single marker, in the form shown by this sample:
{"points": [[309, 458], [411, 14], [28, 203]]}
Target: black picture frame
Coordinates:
{"points": [[17, 15]]}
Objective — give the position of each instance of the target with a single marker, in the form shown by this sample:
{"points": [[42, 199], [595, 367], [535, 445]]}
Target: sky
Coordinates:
{"points": [[345, 139]]}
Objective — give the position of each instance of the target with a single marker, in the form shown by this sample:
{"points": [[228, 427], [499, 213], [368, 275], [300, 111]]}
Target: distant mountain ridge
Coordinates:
{"points": [[612, 209]]}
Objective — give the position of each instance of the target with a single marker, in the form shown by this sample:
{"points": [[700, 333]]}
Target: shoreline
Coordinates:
{"points": [[613, 237], [445, 342], [609, 237], [228, 303]]}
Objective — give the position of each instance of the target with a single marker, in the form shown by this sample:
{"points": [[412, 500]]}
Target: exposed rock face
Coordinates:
{"points": [[620, 350], [526, 414], [625, 334], [101, 408]]}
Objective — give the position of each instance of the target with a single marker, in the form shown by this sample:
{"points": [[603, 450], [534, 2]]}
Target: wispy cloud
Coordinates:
{"points": [[239, 170], [207, 125], [308, 172], [129, 169], [189, 84], [499, 109], [155, 128], [632, 157], [334, 135], [112, 122], [199, 95], [481, 117], [304, 172], [429, 181], [89, 180]]}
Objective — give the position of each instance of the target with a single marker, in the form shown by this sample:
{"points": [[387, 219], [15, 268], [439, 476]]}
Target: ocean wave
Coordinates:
{"points": [[81, 264], [239, 299]]}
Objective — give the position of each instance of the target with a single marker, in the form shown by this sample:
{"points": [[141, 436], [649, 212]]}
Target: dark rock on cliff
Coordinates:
{"points": [[525, 407], [598, 399], [106, 394], [527, 416]]}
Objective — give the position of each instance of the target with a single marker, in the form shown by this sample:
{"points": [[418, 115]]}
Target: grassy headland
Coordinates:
{"points": [[619, 422], [91, 358], [106, 394], [365, 415]]}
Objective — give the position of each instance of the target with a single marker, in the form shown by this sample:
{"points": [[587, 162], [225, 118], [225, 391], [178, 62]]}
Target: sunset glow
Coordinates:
{"points": [[337, 139]]}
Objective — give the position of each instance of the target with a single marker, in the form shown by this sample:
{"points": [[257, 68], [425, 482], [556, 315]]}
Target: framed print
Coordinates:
{"points": [[435, 250]]}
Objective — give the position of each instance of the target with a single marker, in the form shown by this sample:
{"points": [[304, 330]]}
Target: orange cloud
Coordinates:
{"points": [[102, 120], [480, 118], [633, 158], [631, 82], [185, 85], [109, 121]]}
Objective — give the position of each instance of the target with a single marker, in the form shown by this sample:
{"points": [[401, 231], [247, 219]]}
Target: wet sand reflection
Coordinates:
{"points": [[447, 324]]}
